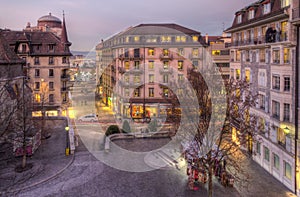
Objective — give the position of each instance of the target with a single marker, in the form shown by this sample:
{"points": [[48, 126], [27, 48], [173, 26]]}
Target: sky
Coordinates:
{"points": [[89, 21]]}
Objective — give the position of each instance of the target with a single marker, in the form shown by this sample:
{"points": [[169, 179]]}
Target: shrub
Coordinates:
{"points": [[112, 129]]}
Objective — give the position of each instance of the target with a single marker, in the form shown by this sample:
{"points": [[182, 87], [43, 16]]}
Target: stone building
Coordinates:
{"points": [[264, 52], [45, 49], [137, 68]]}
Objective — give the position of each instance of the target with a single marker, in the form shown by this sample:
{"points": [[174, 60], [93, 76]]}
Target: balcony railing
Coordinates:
{"points": [[166, 57], [165, 70]]}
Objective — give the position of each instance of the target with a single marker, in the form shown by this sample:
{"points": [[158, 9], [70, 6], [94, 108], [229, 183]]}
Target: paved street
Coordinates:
{"points": [[87, 176]]}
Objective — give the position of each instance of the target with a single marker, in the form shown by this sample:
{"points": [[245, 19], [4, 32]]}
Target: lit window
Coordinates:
{"points": [[180, 65], [165, 52], [151, 65], [151, 78], [166, 39], [285, 3], [166, 64], [238, 56], [151, 52], [151, 92], [127, 65], [127, 39], [237, 74], [280, 137], [37, 98], [247, 75], [136, 79], [136, 38], [183, 39], [195, 38], [215, 52], [286, 55], [195, 52]]}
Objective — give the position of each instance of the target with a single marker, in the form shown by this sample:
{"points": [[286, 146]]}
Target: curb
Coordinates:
{"points": [[42, 181]]}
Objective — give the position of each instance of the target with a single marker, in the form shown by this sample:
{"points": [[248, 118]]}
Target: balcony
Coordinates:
{"points": [[137, 70], [64, 89], [166, 57], [165, 70], [296, 16], [65, 77]]}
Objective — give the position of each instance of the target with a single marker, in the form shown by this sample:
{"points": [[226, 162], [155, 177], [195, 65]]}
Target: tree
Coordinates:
{"points": [[112, 129]]}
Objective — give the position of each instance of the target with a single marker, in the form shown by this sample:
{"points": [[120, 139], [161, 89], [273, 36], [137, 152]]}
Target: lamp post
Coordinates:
{"points": [[67, 141]]}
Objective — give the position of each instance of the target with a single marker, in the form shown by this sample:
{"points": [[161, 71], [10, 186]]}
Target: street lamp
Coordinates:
{"points": [[67, 141]]}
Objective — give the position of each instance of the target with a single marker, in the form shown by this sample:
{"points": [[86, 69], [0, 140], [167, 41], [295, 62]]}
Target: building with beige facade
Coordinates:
{"points": [[137, 68], [45, 48], [264, 51]]}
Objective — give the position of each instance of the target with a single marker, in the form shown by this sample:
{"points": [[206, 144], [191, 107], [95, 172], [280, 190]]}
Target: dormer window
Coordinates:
{"points": [[239, 18], [251, 14], [267, 8], [51, 47], [285, 3]]}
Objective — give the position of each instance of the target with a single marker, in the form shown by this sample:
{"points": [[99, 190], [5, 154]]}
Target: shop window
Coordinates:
{"points": [[37, 98]]}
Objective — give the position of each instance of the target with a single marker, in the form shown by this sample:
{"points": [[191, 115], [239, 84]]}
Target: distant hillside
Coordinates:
{"points": [[87, 54]]}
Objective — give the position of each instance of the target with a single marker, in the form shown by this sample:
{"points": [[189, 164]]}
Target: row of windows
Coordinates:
{"points": [[287, 168], [165, 52], [266, 9], [50, 47], [50, 73], [65, 60], [137, 65], [37, 85], [39, 98], [276, 110], [165, 77], [276, 83], [165, 92]]}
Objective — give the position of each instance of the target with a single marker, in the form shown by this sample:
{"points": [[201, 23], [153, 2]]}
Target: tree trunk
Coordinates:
{"points": [[24, 156], [210, 184]]}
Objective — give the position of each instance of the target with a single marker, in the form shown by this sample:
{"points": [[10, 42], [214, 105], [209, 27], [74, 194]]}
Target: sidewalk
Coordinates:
{"points": [[48, 161]]}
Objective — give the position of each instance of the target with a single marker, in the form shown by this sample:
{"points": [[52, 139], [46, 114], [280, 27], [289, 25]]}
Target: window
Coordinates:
{"points": [[247, 59], [285, 3], [239, 18], [165, 52], [126, 78], [215, 52], [179, 91], [126, 92], [166, 39], [151, 65], [151, 78], [127, 39], [64, 60], [136, 65], [262, 79], [287, 83], [136, 92], [180, 78], [258, 150], [50, 47], [195, 63], [276, 82], [165, 78], [36, 60], [195, 38], [251, 14], [262, 101], [276, 109], [287, 170], [237, 74], [136, 53], [37, 72], [127, 65], [280, 137], [181, 52], [136, 38], [276, 161], [151, 92], [262, 55], [51, 73], [238, 56], [276, 56], [136, 79], [37, 98], [51, 85], [247, 75], [283, 31], [266, 154], [37, 85], [286, 55], [195, 52], [180, 39], [165, 92], [150, 52], [286, 112], [180, 65], [51, 60], [51, 98], [166, 64], [267, 8], [24, 48]]}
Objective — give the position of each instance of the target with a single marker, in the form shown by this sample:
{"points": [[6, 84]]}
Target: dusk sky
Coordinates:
{"points": [[90, 21]]}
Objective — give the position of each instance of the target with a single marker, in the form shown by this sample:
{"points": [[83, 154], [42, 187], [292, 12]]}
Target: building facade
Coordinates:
{"points": [[264, 53], [45, 49], [137, 68]]}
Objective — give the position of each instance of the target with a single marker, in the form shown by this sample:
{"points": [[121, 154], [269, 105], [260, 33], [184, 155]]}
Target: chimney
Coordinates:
{"points": [[206, 38]]}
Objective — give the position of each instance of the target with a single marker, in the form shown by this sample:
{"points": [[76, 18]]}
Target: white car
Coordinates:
{"points": [[88, 118]]}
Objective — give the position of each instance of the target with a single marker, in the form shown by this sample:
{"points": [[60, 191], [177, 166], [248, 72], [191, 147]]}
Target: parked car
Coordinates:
{"points": [[88, 118]]}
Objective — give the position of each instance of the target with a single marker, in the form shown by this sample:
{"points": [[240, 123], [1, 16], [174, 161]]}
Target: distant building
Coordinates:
{"points": [[265, 52], [137, 68], [218, 48], [45, 49]]}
